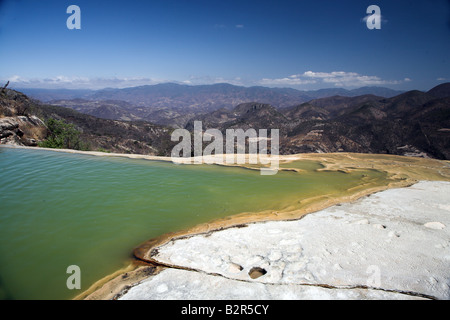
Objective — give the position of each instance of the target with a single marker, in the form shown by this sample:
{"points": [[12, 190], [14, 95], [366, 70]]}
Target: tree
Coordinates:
{"points": [[4, 88], [62, 135]]}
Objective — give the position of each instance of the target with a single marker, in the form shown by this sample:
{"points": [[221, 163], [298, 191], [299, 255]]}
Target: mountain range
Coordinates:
{"points": [[174, 104], [412, 123]]}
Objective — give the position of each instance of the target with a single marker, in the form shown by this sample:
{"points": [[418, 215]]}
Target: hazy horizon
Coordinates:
{"points": [[16, 87]]}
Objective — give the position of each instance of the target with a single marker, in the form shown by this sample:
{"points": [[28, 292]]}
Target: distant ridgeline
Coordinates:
{"points": [[60, 127], [140, 120]]}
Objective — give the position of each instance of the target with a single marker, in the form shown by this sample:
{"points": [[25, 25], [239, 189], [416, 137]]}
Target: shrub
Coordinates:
{"points": [[62, 135]]}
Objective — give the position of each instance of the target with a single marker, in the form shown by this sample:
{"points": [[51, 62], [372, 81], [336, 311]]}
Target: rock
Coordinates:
{"points": [[256, 272], [435, 225], [362, 221], [22, 130], [8, 124], [5, 133], [235, 268]]}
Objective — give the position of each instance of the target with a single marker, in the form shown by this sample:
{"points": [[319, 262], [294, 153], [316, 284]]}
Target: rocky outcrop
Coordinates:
{"points": [[22, 130], [18, 125], [8, 126]]}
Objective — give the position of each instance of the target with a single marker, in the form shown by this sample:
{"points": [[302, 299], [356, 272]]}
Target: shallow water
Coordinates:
{"points": [[60, 209]]}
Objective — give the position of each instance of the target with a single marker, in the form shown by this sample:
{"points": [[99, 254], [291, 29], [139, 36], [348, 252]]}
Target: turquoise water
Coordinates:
{"points": [[59, 209]]}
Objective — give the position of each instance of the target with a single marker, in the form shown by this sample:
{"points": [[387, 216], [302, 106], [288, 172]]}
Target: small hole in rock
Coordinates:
{"points": [[256, 272]]}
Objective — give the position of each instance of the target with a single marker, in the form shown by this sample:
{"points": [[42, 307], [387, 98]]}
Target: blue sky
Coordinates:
{"points": [[284, 43]]}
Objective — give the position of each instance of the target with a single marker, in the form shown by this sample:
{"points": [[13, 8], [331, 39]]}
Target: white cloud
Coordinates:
{"points": [[327, 75], [59, 82], [239, 26], [15, 78], [336, 78], [441, 79], [65, 82], [319, 79], [292, 80], [198, 80]]}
